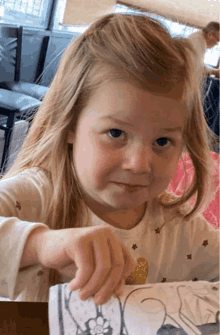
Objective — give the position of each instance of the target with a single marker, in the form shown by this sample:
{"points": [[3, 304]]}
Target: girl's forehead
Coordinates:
{"points": [[136, 107], [126, 101]]}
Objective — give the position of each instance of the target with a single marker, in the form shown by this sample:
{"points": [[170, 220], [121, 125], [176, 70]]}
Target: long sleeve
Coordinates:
{"points": [[22, 201]]}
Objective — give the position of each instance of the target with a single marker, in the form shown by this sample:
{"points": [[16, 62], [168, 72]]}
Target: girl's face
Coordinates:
{"points": [[127, 146]]}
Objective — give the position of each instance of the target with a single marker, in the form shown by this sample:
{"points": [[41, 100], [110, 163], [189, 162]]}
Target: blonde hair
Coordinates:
{"points": [[116, 47]]}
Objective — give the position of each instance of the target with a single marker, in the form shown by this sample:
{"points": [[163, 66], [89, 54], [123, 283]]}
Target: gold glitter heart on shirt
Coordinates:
{"points": [[139, 275]]}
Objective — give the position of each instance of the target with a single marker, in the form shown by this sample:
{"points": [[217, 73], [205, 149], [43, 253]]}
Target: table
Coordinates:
{"points": [[24, 318]]}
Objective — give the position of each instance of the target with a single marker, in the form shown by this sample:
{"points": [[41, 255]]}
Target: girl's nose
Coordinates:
{"points": [[138, 159]]}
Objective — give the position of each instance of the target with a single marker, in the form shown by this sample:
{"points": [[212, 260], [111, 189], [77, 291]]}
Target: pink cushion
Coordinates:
{"points": [[211, 213]]}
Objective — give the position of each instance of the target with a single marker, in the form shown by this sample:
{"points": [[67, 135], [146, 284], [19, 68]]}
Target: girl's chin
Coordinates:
{"points": [[125, 205], [106, 200]]}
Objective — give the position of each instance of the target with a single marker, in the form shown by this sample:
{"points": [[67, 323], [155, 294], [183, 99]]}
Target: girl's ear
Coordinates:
{"points": [[70, 138]]}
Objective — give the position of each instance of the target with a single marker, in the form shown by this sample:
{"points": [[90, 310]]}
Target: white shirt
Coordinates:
{"points": [[175, 251], [198, 42]]}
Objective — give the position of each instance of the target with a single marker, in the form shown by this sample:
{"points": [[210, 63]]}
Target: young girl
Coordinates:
{"points": [[86, 199]]}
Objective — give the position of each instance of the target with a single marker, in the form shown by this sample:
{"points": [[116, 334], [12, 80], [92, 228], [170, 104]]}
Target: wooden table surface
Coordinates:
{"points": [[24, 318]]}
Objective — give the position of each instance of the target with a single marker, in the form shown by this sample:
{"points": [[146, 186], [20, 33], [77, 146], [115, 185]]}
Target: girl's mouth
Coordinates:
{"points": [[130, 187]]}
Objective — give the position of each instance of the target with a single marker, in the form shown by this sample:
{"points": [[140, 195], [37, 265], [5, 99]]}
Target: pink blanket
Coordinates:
{"points": [[211, 213]]}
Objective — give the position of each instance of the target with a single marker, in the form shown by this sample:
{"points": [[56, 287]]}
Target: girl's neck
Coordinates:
{"points": [[121, 219]]}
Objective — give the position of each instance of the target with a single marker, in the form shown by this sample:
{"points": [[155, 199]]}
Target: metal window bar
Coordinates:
{"points": [[34, 7]]}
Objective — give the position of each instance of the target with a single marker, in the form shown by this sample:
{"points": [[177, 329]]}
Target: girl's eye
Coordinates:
{"points": [[116, 133], [163, 141]]}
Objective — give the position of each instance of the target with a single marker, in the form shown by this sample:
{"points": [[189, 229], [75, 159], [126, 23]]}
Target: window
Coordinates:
{"points": [[24, 12]]}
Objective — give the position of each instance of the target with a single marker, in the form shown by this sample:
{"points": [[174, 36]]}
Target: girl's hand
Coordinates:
{"points": [[102, 261]]}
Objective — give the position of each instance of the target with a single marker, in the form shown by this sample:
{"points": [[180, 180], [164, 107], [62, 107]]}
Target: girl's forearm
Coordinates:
{"points": [[29, 256]]}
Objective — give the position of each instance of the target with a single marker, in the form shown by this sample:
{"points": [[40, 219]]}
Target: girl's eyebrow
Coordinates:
{"points": [[175, 129], [115, 120]]}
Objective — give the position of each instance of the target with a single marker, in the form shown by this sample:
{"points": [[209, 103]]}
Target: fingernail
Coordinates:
{"points": [[83, 296], [120, 291], [73, 286], [98, 301]]}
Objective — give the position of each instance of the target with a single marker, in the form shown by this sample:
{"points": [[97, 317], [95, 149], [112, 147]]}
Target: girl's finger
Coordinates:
{"points": [[85, 263], [119, 259], [103, 266], [130, 264], [120, 287]]}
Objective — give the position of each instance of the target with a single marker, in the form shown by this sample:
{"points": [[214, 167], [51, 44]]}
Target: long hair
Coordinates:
{"points": [[135, 48]]}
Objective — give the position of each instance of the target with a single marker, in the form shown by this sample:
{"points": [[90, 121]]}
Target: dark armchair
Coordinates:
{"points": [[18, 100], [10, 51]]}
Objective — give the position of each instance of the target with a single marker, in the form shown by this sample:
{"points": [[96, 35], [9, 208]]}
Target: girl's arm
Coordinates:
{"points": [[29, 256], [102, 261], [13, 235], [22, 199]]}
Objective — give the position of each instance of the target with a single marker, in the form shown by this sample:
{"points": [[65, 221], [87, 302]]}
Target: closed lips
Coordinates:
{"points": [[131, 185]]}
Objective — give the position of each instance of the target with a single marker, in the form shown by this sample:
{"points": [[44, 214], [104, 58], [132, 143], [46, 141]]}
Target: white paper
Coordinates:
{"points": [[165, 308]]}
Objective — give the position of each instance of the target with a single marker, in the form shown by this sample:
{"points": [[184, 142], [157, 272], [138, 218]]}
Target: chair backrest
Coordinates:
{"points": [[10, 47], [18, 136]]}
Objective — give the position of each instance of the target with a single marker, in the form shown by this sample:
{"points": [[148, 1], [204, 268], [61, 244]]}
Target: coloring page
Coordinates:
{"points": [[165, 308]]}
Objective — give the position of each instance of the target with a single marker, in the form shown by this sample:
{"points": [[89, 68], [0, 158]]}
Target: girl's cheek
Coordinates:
{"points": [[104, 153]]}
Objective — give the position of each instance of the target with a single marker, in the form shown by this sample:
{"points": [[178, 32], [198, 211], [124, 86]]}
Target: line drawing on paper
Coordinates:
{"points": [[169, 309]]}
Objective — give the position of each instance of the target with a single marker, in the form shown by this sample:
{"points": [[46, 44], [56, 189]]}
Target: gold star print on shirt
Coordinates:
{"points": [[139, 275]]}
